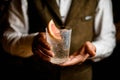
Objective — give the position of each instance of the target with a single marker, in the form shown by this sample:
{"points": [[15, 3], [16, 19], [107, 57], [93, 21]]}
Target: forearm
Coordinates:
{"points": [[18, 44], [16, 39], [103, 49], [105, 31]]}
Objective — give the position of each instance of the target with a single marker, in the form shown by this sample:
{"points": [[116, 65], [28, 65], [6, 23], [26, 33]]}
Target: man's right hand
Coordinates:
{"points": [[41, 47]]}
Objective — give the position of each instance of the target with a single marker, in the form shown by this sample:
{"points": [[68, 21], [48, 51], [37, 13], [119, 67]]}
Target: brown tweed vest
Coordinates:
{"points": [[80, 18]]}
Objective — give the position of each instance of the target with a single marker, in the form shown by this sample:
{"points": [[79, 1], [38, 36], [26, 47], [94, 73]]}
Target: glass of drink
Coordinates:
{"points": [[60, 47]]}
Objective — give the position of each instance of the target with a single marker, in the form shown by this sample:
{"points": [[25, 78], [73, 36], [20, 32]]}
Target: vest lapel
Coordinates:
{"points": [[73, 9], [53, 5]]}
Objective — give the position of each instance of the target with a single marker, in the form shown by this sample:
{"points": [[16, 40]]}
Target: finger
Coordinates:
{"points": [[45, 51], [90, 48], [75, 60], [81, 51], [73, 55], [42, 55], [43, 42]]}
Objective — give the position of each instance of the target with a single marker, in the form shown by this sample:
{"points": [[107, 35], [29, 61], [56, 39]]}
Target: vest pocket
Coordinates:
{"points": [[87, 18]]}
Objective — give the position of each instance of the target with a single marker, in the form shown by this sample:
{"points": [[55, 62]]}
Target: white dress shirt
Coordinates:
{"points": [[18, 42], [64, 6]]}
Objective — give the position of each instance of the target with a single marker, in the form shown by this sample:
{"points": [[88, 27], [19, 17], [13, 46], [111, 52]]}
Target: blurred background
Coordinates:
{"points": [[105, 69]]}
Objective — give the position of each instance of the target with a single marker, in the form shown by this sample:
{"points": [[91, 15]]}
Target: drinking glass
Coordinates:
{"points": [[61, 48]]}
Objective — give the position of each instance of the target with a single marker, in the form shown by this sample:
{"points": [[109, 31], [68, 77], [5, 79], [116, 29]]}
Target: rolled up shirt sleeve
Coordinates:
{"points": [[105, 31], [16, 39]]}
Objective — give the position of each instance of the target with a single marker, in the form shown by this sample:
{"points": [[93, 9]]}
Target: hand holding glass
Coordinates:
{"points": [[60, 47]]}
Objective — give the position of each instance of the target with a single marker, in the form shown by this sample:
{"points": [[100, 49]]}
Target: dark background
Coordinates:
{"points": [[109, 68]]}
